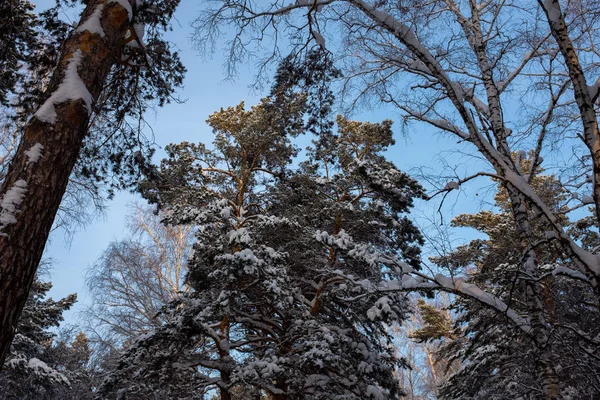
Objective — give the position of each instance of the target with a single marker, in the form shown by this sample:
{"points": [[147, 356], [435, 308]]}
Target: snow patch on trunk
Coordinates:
{"points": [[10, 204], [552, 9], [71, 88], [34, 153], [92, 24]]}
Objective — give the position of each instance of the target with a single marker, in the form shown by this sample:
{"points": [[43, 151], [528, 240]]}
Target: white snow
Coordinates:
{"points": [[418, 65], [475, 292], [452, 185], [71, 88], [382, 306], [226, 213], [442, 124], [240, 236], [408, 37], [591, 261], [140, 30], [34, 153], [92, 24], [319, 39], [562, 270], [593, 90], [42, 368], [373, 392], [10, 203], [245, 257], [35, 363], [587, 200], [481, 106], [553, 10]]}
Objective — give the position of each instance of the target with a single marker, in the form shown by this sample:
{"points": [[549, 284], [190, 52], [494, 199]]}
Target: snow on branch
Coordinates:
{"points": [[565, 271], [594, 90], [417, 281], [461, 287], [310, 4], [456, 184], [528, 56], [438, 123], [452, 185], [591, 262]]}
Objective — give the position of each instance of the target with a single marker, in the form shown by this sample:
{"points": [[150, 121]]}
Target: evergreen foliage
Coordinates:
{"points": [[282, 261], [496, 358], [37, 367], [116, 152]]}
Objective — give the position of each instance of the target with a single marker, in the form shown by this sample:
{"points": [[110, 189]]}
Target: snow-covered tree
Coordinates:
{"points": [[29, 372], [282, 262], [495, 356], [19, 37], [501, 77]]}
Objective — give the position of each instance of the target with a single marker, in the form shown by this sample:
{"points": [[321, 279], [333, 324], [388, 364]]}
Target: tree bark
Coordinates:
{"points": [[22, 241], [585, 103]]}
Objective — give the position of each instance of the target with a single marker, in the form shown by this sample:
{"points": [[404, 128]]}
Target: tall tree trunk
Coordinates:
{"points": [[223, 356], [585, 99], [535, 301], [225, 394], [39, 172]]}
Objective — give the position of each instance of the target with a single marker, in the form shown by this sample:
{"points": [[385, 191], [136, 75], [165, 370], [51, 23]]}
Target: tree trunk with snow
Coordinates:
{"points": [[39, 172]]}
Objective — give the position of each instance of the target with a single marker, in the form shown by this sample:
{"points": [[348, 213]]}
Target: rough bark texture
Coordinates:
{"points": [[22, 243]]}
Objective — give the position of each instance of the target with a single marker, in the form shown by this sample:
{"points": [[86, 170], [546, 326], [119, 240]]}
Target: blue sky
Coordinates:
{"points": [[206, 91]]}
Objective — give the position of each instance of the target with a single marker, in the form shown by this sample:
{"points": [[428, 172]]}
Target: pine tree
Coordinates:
{"points": [[497, 359], [28, 372], [283, 261], [18, 33], [72, 354], [436, 323]]}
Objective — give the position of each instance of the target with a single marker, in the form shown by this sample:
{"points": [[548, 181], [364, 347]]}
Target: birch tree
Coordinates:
{"points": [[502, 77], [135, 277], [106, 46]]}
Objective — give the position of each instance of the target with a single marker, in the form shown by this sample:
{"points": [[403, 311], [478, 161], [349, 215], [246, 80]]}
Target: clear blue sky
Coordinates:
{"points": [[206, 91]]}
